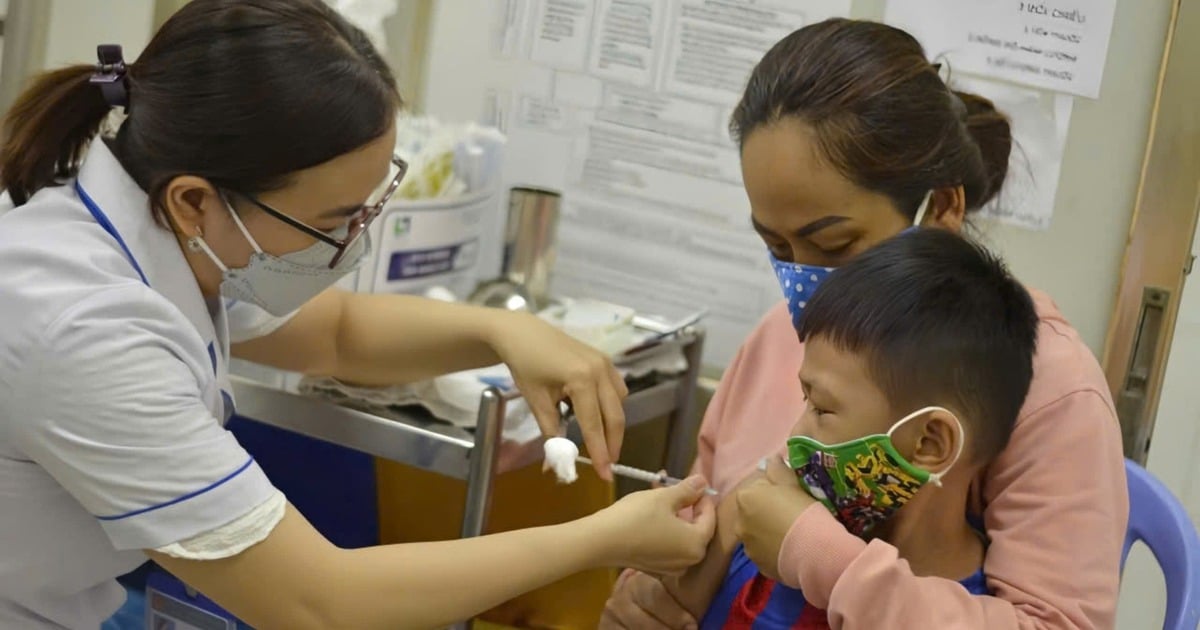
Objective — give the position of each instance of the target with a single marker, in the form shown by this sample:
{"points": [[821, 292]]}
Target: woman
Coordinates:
{"points": [[257, 148], [844, 128]]}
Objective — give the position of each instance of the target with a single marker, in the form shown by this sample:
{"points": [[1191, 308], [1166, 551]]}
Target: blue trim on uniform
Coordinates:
{"points": [[212, 355], [229, 408], [107, 225], [183, 498]]}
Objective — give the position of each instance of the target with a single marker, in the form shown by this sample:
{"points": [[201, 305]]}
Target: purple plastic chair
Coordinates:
{"points": [[1158, 519]]}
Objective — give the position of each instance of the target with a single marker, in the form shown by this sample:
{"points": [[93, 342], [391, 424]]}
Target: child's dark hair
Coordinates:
{"points": [[939, 321]]}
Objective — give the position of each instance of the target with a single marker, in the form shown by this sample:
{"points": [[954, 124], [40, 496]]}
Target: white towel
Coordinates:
{"points": [[455, 398]]}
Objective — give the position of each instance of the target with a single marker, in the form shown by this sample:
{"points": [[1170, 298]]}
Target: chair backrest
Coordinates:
{"points": [[1160, 521]]}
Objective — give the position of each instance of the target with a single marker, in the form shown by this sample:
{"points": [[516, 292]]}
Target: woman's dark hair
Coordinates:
{"points": [[882, 115], [239, 92]]}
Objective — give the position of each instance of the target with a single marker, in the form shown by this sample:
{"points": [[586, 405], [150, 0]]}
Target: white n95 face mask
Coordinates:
{"points": [[282, 284]]}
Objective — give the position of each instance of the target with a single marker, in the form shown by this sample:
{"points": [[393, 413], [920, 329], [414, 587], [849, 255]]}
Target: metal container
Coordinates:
{"points": [[530, 238], [530, 235]]}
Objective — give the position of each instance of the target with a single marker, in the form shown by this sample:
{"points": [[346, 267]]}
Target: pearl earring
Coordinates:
{"points": [[194, 242]]}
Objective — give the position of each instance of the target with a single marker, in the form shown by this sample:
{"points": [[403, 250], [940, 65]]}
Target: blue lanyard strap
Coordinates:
{"points": [[107, 225]]}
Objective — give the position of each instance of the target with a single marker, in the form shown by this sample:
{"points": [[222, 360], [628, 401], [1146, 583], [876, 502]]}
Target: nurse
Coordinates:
{"points": [[256, 149]]}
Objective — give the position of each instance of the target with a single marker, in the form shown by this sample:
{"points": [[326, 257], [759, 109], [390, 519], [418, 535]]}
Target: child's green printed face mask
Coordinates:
{"points": [[864, 481]]}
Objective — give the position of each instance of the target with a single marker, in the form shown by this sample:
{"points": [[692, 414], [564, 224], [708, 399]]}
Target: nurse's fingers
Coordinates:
{"points": [[544, 410], [618, 381], [704, 513], [591, 423], [613, 408]]}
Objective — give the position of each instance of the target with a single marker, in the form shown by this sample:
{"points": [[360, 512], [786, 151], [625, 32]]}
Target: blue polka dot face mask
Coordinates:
{"points": [[799, 281]]}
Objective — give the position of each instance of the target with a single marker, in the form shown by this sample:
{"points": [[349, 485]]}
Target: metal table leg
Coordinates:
{"points": [[483, 463], [684, 422], [482, 469]]}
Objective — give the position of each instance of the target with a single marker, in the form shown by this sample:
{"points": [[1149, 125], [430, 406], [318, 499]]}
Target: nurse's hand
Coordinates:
{"points": [[767, 508], [548, 366], [642, 530]]}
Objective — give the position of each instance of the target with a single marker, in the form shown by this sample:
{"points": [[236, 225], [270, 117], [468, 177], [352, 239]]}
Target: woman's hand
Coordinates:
{"points": [[642, 602], [548, 365], [643, 531], [767, 507]]}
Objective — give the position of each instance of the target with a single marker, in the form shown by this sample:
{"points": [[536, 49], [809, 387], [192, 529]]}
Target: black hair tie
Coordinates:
{"points": [[110, 75]]}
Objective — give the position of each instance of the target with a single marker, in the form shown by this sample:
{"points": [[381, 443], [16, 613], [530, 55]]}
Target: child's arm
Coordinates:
{"points": [[695, 589]]}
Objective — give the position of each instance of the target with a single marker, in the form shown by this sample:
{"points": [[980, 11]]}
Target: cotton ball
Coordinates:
{"points": [[440, 293], [560, 455]]}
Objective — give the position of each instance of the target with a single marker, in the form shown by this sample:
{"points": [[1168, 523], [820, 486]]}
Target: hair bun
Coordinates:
{"points": [[992, 133]]}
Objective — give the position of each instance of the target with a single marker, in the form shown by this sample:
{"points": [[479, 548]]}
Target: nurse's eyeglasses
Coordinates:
{"points": [[359, 221]]}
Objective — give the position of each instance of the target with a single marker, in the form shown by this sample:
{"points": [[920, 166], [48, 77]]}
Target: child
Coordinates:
{"points": [[918, 357]]}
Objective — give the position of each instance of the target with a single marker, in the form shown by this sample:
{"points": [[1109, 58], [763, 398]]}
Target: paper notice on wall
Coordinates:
{"points": [[715, 45], [623, 105], [629, 34], [508, 27], [1039, 121], [561, 33], [1056, 44]]}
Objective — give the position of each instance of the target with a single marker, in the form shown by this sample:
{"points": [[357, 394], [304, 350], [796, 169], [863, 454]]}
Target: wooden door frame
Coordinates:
{"points": [[1159, 243]]}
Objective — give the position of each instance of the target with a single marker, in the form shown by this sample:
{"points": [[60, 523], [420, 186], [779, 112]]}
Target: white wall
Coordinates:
{"points": [[407, 33], [78, 26], [45, 34]]}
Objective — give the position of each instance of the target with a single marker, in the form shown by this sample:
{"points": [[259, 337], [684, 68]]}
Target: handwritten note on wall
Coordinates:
{"points": [[1057, 45]]}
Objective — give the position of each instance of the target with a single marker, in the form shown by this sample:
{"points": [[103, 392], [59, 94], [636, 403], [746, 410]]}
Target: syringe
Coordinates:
{"points": [[643, 475]]}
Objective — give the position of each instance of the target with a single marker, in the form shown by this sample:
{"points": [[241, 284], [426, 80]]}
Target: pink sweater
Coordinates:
{"points": [[1054, 502]]}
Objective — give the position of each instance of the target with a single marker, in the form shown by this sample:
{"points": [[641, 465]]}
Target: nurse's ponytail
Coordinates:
{"points": [[47, 130]]}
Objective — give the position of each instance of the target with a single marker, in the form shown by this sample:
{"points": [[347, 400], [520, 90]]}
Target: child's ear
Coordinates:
{"points": [[939, 441]]}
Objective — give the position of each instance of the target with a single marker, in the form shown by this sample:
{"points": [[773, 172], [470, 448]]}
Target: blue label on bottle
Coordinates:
{"points": [[408, 265]]}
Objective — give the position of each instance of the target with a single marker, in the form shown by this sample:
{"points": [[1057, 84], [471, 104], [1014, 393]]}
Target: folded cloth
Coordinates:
{"points": [[455, 398]]}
